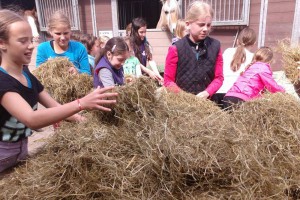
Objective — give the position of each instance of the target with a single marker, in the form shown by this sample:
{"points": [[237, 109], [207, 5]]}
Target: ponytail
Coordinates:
{"points": [[246, 38], [238, 58]]}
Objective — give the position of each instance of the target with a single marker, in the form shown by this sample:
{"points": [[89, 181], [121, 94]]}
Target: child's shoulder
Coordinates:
{"points": [[44, 45], [229, 50]]}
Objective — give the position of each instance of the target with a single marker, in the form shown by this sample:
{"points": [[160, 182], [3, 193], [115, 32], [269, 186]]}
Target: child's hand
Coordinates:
{"points": [[73, 70], [155, 76], [98, 99]]}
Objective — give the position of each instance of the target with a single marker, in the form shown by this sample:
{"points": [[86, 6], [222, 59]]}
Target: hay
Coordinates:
{"points": [[174, 146], [63, 86], [290, 57], [268, 149]]}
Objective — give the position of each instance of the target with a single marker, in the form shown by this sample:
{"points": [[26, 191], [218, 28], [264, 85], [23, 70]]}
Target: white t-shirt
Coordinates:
{"points": [[230, 76]]}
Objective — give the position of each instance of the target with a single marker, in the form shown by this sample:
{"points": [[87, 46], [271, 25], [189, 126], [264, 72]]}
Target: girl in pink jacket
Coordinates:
{"points": [[252, 82]]}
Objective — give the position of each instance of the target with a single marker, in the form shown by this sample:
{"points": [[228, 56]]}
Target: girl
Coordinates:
{"points": [[141, 46], [132, 65], [194, 63], [19, 87], [109, 62], [180, 31], [92, 45], [102, 40], [59, 28], [256, 77], [235, 61]]}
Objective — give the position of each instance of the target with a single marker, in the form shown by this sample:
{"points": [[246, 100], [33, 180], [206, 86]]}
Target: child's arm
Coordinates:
{"points": [[44, 117], [151, 73], [270, 83], [40, 55], [171, 69], [47, 101], [154, 68], [106, 77], [217, 82], [84, 66]]}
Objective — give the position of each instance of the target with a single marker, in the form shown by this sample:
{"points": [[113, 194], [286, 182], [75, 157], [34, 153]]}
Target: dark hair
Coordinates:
{"points": [[7, 17], [246, 38], [136, 41], [115, 45], [88, 41]]}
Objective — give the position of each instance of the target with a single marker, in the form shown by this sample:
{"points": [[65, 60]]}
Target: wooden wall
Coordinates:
{"points": [[279, 24], [103, 15]]}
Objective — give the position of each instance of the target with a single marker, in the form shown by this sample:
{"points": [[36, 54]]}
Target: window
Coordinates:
{"points": [[227, 12], [45, 8]]}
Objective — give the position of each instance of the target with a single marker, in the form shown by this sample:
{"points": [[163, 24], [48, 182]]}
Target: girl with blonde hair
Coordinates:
{"points": [[194, 64], [256, 77], [59, 27]]}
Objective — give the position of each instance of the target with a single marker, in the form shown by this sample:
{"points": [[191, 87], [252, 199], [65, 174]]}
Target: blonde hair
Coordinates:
{"points": [[198, 8], [246, 38], [102, 40], [263, 54], [180, 28], [57, 18]]}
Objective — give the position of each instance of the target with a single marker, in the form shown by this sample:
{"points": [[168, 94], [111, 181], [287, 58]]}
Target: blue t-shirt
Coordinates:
{"points": [[130, 66], [76, 53]]}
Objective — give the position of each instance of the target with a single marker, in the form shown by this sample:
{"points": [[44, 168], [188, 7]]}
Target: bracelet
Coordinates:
{"points": [[79, 105]]}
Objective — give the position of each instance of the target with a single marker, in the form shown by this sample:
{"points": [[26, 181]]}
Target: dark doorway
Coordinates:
{"points": [[18, 4], [148, 9]]}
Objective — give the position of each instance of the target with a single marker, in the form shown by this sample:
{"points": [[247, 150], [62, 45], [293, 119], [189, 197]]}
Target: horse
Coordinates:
{"points": [[170, 13]]}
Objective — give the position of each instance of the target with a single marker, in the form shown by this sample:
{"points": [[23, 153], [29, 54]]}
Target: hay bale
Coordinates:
{"points": [[136, 102], [63, 86], [175, 146], [290, 57], [268, 150]]}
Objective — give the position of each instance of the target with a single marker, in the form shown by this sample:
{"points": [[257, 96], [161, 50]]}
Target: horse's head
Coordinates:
{"points": [[169, 15]]}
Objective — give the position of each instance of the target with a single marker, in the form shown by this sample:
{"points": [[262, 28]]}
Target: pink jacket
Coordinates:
{"points": [[253, 81], [171, 69]]}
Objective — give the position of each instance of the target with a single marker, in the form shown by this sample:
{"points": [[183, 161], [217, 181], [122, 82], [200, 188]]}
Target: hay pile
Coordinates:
{"points": [[172, 147], [267, 148], [63, 86], [290, 57]]}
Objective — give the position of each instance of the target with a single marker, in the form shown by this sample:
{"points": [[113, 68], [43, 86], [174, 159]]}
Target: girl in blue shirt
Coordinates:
{"points": [[59, 28]]}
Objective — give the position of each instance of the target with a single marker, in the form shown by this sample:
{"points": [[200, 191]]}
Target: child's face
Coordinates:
{"points": [[118, 60], [200, 28], [142, 32], [95, 49], [61, 35], [19, 47]]}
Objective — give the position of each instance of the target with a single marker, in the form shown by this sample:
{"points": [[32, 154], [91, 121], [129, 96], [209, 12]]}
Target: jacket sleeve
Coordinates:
{"points": [[171, 69], [84, 66], [269, 83], [41, 56], [213, 87]]}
